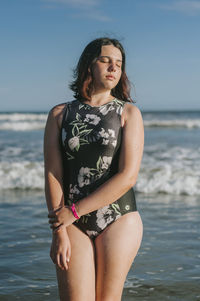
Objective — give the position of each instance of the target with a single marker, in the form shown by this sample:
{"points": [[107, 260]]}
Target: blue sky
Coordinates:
{"points": [[41, 41]]}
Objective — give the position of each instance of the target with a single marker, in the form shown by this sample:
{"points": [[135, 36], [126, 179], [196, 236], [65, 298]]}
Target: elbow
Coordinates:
{"points": [[129, 180], [132, 181]]}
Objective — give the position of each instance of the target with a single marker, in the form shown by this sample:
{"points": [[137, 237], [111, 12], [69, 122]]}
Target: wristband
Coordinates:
{"points": [[73, 208]]}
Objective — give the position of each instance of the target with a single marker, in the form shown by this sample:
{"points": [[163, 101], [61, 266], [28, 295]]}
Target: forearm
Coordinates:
{"points": [[106, 194], [53, 192]]}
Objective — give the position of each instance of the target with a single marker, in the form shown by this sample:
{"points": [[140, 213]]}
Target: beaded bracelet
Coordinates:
{"points": [[73, 208]]}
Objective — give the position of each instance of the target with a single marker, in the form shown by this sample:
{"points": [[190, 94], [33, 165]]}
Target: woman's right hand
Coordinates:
{"points": [[60, 248]]}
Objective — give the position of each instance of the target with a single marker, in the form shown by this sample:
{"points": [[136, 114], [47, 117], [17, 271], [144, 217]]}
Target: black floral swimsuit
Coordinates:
{"points": [[90, 144]]}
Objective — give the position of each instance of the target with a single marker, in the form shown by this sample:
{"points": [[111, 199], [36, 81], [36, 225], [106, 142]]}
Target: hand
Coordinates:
{"points": [[60, 252], [62, 216]]}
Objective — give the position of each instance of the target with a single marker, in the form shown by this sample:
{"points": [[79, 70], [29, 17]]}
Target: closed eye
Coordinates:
{"points": [[107, 59], [104, 59], [119, 65]]}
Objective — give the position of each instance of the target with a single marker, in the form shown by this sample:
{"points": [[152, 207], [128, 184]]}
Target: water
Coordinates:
{"points": [[168, 196], [171, 162]]}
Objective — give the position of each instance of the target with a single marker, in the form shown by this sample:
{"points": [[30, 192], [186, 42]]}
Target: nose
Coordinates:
{"points": [[112, 67]]}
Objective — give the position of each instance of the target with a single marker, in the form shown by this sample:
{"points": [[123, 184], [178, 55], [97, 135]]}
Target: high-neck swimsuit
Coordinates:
{"points": [[90, 144]]}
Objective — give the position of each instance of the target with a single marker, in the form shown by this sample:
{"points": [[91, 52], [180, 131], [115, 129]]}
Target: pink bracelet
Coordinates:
{"points": [[73, 208]]}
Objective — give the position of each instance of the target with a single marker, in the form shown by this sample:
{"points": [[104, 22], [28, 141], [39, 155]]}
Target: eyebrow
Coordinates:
{"points": [[110, 57]]}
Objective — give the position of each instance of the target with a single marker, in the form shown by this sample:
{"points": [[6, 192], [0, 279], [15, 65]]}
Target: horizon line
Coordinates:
{"points": [[144, 111]]}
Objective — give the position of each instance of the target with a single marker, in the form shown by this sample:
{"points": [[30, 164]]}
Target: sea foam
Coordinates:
{"points": [[176, 171], [176, 123], [21, 175], [36, 121], [22, 122]]}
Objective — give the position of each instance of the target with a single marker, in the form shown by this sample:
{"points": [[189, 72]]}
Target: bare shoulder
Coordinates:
{"points": [[56, 114], [131, 113]]}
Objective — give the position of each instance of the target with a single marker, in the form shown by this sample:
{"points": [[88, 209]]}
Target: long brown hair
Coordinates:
{"points": [[82, 84]]}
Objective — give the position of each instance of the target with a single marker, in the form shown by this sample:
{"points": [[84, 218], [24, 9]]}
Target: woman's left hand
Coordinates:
{"points": [[62, 216]]}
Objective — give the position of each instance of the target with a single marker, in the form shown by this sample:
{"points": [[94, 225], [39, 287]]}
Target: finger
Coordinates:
{"points": [[64, 261], [68, 254], [58, 261], [55, 228], [58, 228], [55, 225], [56, 210], [52, 254], [52, 220], [51, 214]]}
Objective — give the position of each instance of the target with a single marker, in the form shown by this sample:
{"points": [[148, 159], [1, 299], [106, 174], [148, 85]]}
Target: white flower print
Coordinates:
{"points": [[114, 143], [118, 106], [111, 133], [92, 119], [91, 233], [106, 162], [105, 142], [104, 217], [103, 133], [73, 142], [119, 110], [72, 191], [84, 176], [104, 109], [88, 175]]}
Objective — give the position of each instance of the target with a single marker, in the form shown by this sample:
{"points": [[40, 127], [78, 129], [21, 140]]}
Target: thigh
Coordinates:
{"points": [[78, 282], [116, 248]]}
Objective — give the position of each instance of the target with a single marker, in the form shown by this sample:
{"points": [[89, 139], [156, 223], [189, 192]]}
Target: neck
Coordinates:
{"points": [[101, 97]]}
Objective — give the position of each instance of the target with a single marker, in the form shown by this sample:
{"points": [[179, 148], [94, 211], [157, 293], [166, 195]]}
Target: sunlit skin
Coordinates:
{"points": [[80, 263], [106, 70]]}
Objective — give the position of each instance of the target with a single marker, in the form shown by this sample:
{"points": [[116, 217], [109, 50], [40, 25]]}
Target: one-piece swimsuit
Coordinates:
{"points": [[91, 139]]}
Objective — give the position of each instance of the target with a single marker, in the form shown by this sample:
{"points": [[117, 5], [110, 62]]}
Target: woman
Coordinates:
{"points": [[93, 148]]}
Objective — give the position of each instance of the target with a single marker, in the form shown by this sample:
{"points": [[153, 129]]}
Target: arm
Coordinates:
{"points": [[52, 161], [129, 165], [60, 248]]}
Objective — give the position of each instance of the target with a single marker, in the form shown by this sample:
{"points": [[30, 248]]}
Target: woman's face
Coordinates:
{"points": [[107, 69]]}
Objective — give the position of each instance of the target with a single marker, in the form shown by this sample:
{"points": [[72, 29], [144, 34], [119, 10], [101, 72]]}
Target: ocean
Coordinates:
{"points": [[167, 266]]}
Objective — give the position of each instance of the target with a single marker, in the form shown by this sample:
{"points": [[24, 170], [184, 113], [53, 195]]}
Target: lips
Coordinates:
{"points": [[110, 77]]}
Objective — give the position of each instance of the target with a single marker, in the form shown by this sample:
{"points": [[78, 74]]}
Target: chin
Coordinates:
{"points": [[106, 86], [109, 86]]}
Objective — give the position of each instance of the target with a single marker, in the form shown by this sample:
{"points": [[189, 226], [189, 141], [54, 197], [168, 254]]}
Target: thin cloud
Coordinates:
{"points": [[93, 15], [85, 8], [76, 3], [185, 6]]}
